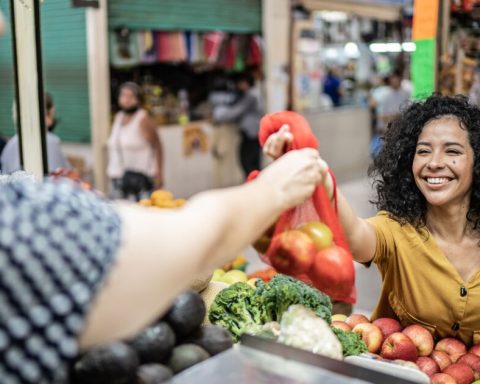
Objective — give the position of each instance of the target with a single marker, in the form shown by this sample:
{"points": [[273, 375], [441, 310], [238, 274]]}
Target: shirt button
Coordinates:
{"points": [[455, 326], [463, 291]]}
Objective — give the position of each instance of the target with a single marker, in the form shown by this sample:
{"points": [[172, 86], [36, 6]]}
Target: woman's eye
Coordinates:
{"points": [[422, 151], [453, 152]]}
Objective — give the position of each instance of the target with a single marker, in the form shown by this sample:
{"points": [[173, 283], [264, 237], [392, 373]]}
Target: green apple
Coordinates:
{"points": [[319, 232]]}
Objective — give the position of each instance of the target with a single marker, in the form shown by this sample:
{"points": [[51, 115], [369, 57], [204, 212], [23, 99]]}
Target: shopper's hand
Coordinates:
{"points": [[275, 145], [293, 178]]}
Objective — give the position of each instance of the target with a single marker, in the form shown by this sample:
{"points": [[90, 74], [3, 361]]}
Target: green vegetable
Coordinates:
{"points": [[236, 308], [283, 291], [241, 307], [352, 344]]}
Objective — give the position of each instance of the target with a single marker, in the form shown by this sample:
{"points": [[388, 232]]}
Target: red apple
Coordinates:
{"points": [[333, 272], [355, 319], [399, 346], [427, 365], [388, 326], [441, 358], [462, 373], [455, 348], [473, 361], [371, 335], [291, 252], [475, 349], [442, 378], [341, 325], [421, 337]]}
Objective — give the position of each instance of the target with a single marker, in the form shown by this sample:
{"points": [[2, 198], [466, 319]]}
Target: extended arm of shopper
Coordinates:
{"points": [[361, 235], [162, 251]]}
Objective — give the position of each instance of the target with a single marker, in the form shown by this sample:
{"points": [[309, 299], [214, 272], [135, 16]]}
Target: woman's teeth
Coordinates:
{"points": [[437, 180]]}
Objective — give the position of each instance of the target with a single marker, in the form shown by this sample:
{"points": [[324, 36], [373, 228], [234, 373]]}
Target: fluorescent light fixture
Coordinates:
{"points": [[409, 47], [392, 47], [351, 50], [333, 16], [331, 53], [378, 47]]}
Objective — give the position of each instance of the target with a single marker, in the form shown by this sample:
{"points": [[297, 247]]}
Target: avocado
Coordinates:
{"points": [[153, 374], [154, 344], [186, 355], [186, 314], [114, 363], [212, 338]]}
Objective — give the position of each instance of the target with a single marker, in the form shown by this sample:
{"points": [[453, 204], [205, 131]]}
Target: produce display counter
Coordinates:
{"points": [[259, 360]]}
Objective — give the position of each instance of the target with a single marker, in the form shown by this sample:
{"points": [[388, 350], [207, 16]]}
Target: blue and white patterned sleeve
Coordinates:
{"points": [[57, 245]]}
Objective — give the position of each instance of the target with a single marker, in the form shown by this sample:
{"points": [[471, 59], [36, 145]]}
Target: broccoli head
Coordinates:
{"points": [[283, 291], [236, 309]]}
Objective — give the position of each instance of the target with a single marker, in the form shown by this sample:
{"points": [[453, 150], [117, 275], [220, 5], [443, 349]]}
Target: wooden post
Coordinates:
{"points": [[27, 56], [99, 89]]}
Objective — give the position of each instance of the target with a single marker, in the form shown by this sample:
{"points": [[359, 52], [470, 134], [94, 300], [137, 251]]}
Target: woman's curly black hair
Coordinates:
{"points": [[391, 170]]}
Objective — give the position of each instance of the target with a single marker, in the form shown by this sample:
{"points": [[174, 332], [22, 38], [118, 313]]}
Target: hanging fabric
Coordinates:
{"points": [[212, 43], [124, 48], [255, 50], [147, 47]]}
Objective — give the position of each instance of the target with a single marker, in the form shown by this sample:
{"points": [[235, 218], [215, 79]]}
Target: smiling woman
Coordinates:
{"points": [[426, 238]]}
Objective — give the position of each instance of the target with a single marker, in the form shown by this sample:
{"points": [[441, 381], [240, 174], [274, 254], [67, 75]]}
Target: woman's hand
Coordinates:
{"points": [[293, 178], [275, 145]]}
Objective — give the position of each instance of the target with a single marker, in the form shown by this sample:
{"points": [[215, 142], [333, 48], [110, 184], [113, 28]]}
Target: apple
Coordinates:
{"points": [[333, 272], [319, 232], [339, 317], [388, 326], [461, 373], [475, 349], [421, 337], [455, 348], [441, 358], [291, 252], [399, 346], [341, 325], [473, 361], [355, 319], [427, 365], [442, 378], [371, 335]]}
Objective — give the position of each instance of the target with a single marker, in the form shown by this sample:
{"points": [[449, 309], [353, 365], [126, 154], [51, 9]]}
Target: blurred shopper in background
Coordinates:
{"points": [[392, 99], [135, 155], [246, 112], [10, 158], [332, 86]]}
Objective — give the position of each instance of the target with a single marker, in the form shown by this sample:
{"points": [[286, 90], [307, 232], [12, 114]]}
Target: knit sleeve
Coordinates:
{"points": [[57, 245]]}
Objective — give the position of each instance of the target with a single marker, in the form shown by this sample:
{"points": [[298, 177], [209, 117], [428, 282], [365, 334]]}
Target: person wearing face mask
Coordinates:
{"points": [[135, 156], [10, 158]]}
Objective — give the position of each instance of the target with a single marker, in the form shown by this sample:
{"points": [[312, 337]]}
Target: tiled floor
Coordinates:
{"points": [[368, 281]]}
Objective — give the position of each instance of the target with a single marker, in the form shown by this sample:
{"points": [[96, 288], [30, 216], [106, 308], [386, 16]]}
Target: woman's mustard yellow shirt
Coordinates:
{"points": [[421, 286]]}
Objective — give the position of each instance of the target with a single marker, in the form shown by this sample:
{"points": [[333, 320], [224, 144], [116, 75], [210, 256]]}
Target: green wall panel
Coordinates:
{"points": [[196, 15], [65, 69]]}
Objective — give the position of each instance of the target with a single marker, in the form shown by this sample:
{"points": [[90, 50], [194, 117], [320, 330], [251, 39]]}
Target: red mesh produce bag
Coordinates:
{"points": [[331, 270]]}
